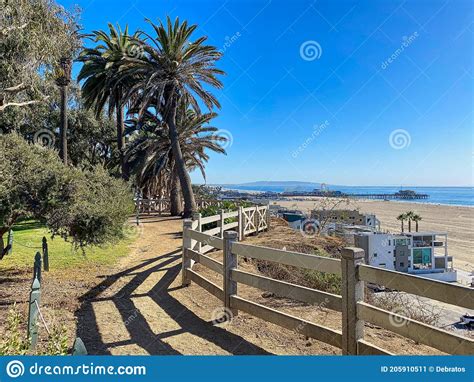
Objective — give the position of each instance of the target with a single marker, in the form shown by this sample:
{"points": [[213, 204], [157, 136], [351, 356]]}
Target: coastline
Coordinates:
{"points": [[426, 201], [457, 221]]}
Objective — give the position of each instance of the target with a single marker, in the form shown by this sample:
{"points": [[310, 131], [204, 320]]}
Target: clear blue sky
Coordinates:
{"points": [[274, 101]]}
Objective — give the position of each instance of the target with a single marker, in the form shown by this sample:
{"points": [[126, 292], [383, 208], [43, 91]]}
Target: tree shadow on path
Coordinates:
{"points": [[139, 331]]}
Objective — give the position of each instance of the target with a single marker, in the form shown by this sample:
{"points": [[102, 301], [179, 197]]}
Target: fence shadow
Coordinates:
{"points": [[139, 331]]}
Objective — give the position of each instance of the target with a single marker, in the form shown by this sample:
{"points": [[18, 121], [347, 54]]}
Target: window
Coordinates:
{"points": [[402, 264], [375, 255], [389, 242]]}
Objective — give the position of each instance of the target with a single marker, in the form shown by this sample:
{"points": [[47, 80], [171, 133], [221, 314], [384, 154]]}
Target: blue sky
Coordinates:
{"points": [[342, 92]]}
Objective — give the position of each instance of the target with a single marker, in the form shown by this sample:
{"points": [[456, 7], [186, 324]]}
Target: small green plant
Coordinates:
{"points": [[57, 341], [15, 342]]}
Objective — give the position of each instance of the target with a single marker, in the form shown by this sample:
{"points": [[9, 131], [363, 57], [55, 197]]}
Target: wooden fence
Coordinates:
{"points": [[353, 272], [152, 205]]}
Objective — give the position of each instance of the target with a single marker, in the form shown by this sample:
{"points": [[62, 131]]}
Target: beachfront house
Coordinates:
{"points": [[348, 217], [421, 253], [295, 219]]}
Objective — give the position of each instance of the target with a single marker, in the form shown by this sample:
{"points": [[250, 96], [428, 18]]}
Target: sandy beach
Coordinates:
{"points": [[457, 221]]}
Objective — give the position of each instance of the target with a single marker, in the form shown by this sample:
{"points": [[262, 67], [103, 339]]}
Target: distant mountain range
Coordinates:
{"points": [[284, 183]]}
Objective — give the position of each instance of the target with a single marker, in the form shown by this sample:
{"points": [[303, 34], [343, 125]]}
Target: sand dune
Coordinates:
{"points": [[457, 221]]}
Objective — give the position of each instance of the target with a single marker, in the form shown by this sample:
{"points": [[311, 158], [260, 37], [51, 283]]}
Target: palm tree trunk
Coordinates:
{"points": [[121, 139], [175, 190], [409, 225], [184, 178], [416, 226], [403, 228], [63, 125]]}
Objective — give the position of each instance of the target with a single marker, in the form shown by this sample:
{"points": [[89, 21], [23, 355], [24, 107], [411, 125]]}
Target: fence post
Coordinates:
{"points": [[79, 348], [197, 219], [37, 267], [256, 220], [187, 263], [35, 295], [241, 223], [10, 242], [230, 261], [221, 222], [352, 292], [138, 206], [267, 215], [45, 255]]}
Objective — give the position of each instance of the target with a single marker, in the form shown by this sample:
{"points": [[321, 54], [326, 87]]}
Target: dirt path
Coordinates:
{"points": [[142, 309]]}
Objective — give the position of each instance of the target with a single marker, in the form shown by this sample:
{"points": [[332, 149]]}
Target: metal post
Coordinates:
{"points": [[79, 348], [37, 267], [45, 255], [230, 261], [33, 312], [352, 292]]}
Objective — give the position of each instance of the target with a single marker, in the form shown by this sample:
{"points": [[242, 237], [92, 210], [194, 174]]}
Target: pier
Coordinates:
{"points": [[400, 195], [389, 196]]}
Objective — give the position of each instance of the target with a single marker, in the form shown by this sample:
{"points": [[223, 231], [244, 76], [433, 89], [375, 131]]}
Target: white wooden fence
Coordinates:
{"points": [[351, 268], [148, 206]]}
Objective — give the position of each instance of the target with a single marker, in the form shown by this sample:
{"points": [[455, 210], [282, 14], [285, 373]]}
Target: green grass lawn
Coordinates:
{"points": [[62, 254]]}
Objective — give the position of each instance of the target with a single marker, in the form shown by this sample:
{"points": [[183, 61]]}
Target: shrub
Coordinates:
{"points": [[85, 207]]}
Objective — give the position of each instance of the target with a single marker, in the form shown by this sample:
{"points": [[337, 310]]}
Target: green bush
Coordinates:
{"points": [[84, 207]]}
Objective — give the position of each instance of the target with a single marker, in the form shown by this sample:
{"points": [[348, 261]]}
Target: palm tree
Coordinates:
{"points": [[402, 218], [174, 68], [416, 218], [409, 216], [150, 153], [100, 72]]}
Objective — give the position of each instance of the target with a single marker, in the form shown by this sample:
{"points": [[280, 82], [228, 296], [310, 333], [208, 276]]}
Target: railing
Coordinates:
{"points": [[351, 303], [153, 205], [245, 221]]}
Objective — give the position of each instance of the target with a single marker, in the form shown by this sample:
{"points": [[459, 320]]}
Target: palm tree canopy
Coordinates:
{"points": [[402, 217], [172, 63], [101, 65], [149, 151]]}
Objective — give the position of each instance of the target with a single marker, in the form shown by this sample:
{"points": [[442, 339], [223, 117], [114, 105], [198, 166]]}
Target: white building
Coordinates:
{"points": [[422, 253]]}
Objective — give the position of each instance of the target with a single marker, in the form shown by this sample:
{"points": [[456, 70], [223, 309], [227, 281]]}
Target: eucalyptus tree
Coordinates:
{"points": [[102, 87], [174, 68], [34, 35]]}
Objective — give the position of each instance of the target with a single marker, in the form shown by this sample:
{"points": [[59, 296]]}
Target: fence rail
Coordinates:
{"points": [[354, 273]]}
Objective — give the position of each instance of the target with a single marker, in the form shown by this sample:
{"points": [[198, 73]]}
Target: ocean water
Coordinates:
{"points": [[461, 196]]}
